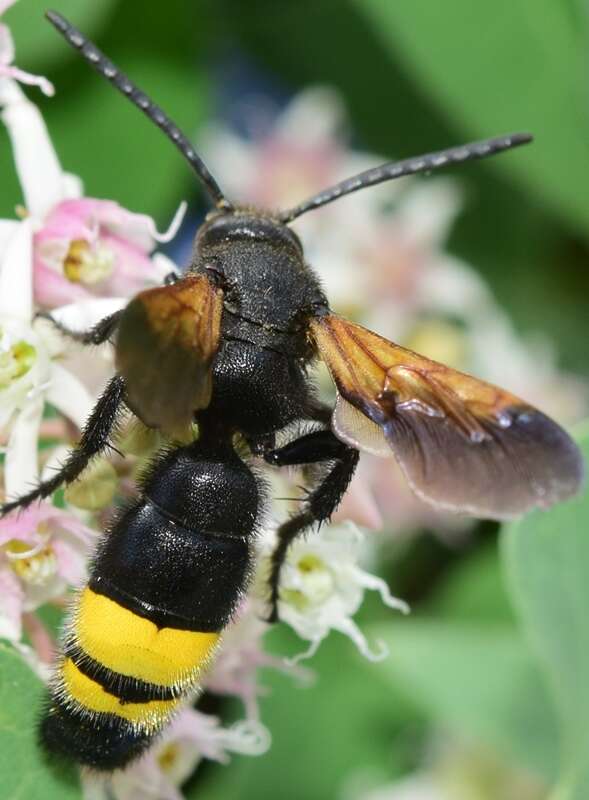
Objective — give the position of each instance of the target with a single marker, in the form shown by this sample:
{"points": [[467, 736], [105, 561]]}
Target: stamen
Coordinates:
{"points": [[15, 361], [86, 264]]}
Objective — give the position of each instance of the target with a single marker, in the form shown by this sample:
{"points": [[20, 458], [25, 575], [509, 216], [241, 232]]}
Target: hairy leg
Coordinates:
{"points": [[320, 502], [101, 332], [94, 439]]}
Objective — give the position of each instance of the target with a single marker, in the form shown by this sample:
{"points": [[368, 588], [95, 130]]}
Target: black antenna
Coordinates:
{"points": [[410, 166], [112, 73]]}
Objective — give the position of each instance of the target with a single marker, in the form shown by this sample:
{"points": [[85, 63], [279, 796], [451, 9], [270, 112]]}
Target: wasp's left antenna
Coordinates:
{"points": [[112, 73], [410, 166]]}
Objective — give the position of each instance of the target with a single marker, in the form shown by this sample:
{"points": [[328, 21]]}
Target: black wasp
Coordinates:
{"points": [[228, 346]]}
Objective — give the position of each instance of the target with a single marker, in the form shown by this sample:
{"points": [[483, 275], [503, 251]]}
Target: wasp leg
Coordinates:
{"points": [[101, 332], [311, 448], [261, 445], [94, 439], [320, 502]]}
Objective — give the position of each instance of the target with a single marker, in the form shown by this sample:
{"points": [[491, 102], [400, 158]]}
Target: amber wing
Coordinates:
{"points": [[166, 342], [463, 444]]}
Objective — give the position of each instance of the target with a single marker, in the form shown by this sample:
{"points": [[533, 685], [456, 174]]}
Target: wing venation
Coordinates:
{"points": [[167, 339], [463, 444]]}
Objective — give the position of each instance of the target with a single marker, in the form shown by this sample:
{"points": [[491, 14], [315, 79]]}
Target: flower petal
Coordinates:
{"points": [[69, 395], [23, 526], [21, 469], [118, 221], [6, 40], [73, 187], [38, 167], [29, 79], [143, 780], [95, 787], [53, 289], [231, 155], [308, 653], [312, 119], [16, 270], [349, 628], [5, 5], [71, 562], [428, 210], [11, 605], [7, 229], [86, 313], [173, 227], [69, 527], [247, 737], [379, 585], [163, 265]]}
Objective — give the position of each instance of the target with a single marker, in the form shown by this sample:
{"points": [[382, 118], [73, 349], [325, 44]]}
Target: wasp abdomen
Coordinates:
{"points": [[164, 584], [175, 577], [191, 486]]}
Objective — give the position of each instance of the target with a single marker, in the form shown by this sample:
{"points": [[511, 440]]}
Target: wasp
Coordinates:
{"points": [[229, 345]]}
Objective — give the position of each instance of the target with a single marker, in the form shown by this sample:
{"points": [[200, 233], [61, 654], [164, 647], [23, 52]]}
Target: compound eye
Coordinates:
{"points": [[171, 278], [216, 274]]}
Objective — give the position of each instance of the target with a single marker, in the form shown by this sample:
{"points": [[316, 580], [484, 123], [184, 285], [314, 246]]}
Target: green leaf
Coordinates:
{"points": [[474, 590], [479, 681], [546, 556], [515, 64], [37, 44], [24, 772]]}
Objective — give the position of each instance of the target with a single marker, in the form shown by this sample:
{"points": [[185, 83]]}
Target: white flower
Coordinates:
{"points": [[191, 737], [7, 69], [322, 587], [43, 550], [30, 372]]}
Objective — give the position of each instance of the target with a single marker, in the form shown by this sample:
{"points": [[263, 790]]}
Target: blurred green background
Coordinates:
{"points": [[472, 685]]}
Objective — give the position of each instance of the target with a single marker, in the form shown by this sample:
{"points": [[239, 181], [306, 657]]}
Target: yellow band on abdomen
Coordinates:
{"points": [[91, 695], [134, 646]]}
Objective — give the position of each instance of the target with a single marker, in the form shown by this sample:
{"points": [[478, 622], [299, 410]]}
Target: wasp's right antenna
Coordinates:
{"points": [[410, 166], [112, 73]]}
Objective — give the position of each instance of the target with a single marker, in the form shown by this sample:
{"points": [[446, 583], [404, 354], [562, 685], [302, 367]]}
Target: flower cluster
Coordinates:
{"points": [[81, 259]]}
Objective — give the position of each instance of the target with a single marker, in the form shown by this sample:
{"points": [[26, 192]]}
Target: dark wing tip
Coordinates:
{"points": [[559, 467], [525, 462]]}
